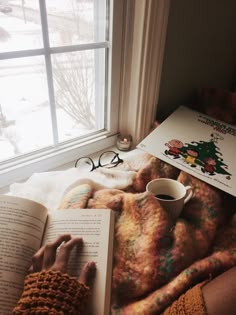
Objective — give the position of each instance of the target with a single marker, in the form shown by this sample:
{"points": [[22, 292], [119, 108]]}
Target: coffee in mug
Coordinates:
{"points": [[171, 194], [164, 197]]}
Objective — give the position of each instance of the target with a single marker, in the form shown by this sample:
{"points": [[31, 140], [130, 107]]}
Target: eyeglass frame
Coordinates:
{"points": [[94, 167]]}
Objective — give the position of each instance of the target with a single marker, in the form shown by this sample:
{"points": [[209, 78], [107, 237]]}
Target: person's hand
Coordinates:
{"points": [[47, 258]]}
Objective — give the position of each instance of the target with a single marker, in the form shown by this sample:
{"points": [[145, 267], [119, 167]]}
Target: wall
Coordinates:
{"points": [[200, 51]]}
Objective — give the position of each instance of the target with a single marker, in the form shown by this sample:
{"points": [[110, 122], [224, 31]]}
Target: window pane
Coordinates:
{"points": [[20, 25], [76, 21], [25, 123], [79, 79]]}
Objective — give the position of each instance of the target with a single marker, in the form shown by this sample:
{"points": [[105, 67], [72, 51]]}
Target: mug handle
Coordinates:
{"points": [[189, 195]]}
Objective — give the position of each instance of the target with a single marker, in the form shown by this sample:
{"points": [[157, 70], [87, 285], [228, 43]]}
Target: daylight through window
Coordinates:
{"points": [[53, 73]]}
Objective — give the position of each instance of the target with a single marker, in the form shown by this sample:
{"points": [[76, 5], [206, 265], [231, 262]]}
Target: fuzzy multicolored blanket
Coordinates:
{"points": [[156, 259]]}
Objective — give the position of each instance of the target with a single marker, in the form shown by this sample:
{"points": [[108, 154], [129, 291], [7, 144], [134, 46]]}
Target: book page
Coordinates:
{"points": [[22, 224], [96, 227]]}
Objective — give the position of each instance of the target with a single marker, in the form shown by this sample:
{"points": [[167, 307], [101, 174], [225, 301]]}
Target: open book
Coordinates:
{"points": [[25, 225]]}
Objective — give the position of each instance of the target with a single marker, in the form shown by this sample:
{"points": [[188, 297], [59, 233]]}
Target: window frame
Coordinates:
{"points": [[19, 168]]}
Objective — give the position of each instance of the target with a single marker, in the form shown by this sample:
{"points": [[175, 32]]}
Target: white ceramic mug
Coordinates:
{"points": [[171, 194]]}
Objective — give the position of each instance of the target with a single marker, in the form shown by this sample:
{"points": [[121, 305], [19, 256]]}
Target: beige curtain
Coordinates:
{"points": [[143, 49]]}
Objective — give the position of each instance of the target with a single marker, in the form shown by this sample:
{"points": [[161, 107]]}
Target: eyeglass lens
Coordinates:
{"points": [[85, 163], [108, 159]]}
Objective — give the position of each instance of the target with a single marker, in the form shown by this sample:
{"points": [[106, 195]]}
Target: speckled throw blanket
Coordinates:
{"points": [[156, 259]]}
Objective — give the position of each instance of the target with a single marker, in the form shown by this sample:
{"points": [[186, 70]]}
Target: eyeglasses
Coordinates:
{"points": [[107, 159]]}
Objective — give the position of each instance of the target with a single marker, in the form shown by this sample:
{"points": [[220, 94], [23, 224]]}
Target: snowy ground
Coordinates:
{"points": [[23, 94]]}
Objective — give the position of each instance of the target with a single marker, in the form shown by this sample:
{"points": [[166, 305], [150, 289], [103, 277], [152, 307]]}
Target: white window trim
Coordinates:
{"points": [[145, 27], [138, 32], [50, 158]]}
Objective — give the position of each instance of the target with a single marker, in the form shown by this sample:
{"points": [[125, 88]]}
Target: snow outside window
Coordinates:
{"points": [[55, 82]]}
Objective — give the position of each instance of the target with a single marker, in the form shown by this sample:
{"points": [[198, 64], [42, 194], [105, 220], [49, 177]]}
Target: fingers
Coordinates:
{"points": [[87, 273], [37, 261], [50, 257], [64, 254], [50, 250], [46, 255]]}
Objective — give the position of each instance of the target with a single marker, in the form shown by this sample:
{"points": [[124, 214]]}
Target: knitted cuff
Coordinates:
{"points": [[52, 292], [189, 303]]}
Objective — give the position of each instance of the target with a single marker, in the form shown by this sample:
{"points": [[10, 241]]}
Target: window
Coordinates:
{"points": [[55, 81]]}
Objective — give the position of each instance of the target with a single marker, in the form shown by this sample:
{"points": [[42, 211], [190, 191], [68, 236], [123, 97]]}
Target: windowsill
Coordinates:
{"points": [[66, 166], [19, 170]]}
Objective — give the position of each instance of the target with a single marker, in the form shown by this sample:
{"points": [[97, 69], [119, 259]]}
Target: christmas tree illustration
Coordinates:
{"points": [[207, 155]]}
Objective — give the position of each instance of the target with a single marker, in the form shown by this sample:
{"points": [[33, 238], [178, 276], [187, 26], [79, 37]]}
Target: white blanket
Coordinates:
{"points": [[48, 188]]}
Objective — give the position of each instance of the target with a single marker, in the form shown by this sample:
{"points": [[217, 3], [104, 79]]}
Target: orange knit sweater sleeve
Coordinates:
{"points": [[189, 303], [52, 292]]}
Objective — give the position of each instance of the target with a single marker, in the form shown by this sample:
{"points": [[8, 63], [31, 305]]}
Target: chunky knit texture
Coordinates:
{"points": [[52, 292], [155, 259], [77, 197], [190, 303]]}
